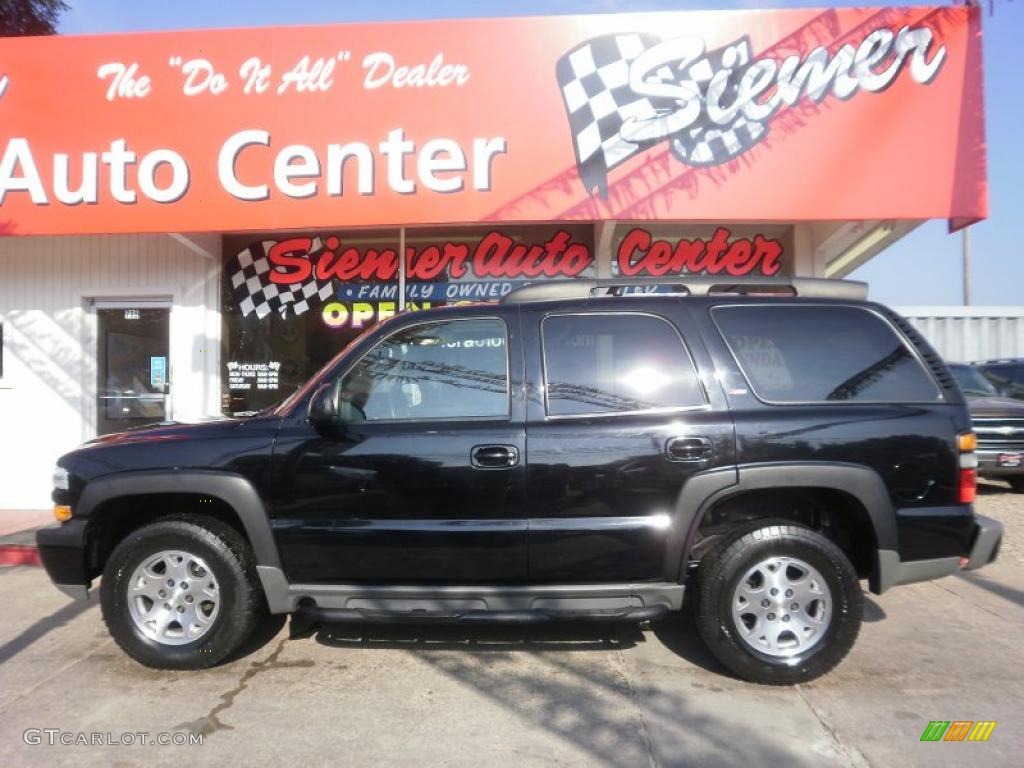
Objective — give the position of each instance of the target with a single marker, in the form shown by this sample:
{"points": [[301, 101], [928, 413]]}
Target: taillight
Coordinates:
{"points": [[968, 485], [967, 442]]}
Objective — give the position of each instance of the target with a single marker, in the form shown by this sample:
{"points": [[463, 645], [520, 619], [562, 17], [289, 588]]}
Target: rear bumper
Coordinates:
{"points": [[891, 571], [63, 552], [988, 536]]}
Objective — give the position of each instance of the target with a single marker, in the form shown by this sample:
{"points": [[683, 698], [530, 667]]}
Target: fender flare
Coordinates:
{"points": [[863, 483], [233, 489]]}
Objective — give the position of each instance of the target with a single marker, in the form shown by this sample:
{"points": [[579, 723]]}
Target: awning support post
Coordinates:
{"points": [[401, 269]]}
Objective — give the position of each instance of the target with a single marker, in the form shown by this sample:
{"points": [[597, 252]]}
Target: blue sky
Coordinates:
{"points": [[923, 268]]}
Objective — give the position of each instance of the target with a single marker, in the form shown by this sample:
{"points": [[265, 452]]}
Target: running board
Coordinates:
{"points": [[473, 602], [308, 617]]}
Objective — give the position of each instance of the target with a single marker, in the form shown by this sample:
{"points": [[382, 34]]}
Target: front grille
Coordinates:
{"points": [[996, 434]]}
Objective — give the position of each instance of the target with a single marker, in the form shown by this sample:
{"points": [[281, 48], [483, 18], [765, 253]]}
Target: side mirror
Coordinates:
{"points": [[323, 408]]}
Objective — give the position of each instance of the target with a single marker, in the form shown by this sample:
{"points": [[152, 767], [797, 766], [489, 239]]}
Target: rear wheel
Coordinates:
{"points": [[778, 604], [181, 593], [1017, 484]]}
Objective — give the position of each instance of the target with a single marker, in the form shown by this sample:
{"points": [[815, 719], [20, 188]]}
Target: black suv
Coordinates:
{"points": [[582, 450]]}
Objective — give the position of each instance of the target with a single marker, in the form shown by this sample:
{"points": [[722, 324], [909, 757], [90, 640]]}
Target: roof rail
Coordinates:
{"points": [[690, 285]]}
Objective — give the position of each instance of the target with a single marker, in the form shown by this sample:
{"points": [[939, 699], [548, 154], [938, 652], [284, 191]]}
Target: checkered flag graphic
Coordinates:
{"points": [[255, 292], [594, 79]]}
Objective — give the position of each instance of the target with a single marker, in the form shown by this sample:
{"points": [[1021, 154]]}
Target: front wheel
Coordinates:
{"points": [[181, 593], [778, 604]]}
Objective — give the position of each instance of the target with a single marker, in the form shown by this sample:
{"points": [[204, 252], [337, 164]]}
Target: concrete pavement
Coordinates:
{"points": [[558, 696]]}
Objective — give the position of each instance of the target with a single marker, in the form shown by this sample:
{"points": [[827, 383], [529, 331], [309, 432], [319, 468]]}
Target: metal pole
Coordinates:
{"points": [[967, 266], [401, 269]]}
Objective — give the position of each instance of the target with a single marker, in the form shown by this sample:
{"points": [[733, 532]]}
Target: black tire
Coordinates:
{"points": [[720, 573], [228, 556], [1017, 484]]}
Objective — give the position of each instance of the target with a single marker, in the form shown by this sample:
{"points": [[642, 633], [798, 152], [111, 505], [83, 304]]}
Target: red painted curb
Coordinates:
{"points": [[17, 554]]}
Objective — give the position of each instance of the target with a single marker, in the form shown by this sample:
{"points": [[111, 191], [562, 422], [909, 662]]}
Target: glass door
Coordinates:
{"points": [[132, 366]]}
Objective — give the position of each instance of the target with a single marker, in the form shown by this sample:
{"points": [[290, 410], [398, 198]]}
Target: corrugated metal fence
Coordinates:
{"points": [[965, 334]]}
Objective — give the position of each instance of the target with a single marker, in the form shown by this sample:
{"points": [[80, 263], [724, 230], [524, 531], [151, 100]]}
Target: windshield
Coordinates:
{"points": [[972, 382]]}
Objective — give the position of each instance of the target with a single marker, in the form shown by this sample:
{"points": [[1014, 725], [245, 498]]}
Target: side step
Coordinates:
{"points": [[635, 601], [308, 617], [350, 615]]}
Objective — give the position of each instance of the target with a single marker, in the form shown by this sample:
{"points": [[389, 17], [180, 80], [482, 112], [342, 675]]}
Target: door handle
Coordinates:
{"points": [[688, 449], [494, 456]]}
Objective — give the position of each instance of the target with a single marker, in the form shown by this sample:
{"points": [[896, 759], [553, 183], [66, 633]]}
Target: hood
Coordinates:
{"points": [[217, 443], [995, 407], [167, 430]]}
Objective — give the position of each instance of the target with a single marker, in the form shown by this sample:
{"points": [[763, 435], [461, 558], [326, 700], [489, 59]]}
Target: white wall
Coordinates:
{"points": [[48, 390], [968, 334]]}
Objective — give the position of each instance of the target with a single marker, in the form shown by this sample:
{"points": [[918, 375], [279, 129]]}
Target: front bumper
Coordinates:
{"points": [[984, 549], [989, 466], [63, 550]]}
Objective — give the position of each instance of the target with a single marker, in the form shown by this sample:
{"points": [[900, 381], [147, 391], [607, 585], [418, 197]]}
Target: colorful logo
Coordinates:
{"points": [[625, 93], [958, 730]]}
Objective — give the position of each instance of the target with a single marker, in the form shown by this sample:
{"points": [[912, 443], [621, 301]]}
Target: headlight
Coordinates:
{"points": [[60, 479]]}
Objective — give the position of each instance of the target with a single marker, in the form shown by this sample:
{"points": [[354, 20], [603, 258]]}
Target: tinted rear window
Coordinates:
{"points": [[823, 353], [616, 363]]}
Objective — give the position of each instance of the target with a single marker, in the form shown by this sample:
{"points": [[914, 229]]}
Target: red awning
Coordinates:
{"points": [[842, 114]]}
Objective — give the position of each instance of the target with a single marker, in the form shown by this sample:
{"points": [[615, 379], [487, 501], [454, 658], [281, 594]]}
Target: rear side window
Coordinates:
{"points": [[616, 363], [793, 354]]}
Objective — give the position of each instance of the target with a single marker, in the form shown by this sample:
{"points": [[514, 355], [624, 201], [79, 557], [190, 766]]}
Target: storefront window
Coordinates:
{"points": [[293, 300]]}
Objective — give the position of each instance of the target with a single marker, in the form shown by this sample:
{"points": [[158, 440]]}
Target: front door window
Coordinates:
{"points": [[445, 370]]}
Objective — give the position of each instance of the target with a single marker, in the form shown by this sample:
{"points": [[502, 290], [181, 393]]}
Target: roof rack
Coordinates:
{"points": [[689, 285]]}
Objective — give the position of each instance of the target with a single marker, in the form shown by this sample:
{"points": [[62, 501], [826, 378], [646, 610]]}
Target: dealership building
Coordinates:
{"points": [[194, 222]]}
